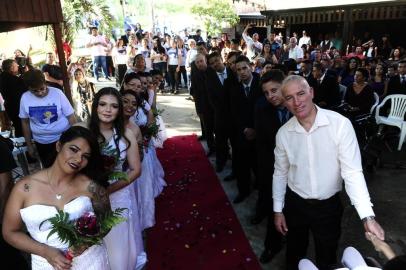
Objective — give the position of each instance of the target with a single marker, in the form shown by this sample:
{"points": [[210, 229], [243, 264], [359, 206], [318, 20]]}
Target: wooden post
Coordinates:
{"points": [[62, 62]]}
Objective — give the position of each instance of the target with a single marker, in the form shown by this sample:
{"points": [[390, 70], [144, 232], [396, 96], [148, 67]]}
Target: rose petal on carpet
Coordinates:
{"points": [[196, 226]]}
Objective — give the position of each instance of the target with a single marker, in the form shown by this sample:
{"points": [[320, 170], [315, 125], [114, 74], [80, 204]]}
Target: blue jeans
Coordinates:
{"points": [[97, 62]]}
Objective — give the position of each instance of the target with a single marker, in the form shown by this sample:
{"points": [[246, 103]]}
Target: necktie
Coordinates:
{"points": [[247, 90], [403, 79], [318, 82], [221, 77]]}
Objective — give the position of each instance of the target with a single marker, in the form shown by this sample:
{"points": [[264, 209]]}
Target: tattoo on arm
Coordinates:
{"points": [[26, 187], [101, 201]]}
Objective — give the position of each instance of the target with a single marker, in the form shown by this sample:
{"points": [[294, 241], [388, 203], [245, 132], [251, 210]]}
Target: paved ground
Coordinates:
{"points": [[387, 187]]}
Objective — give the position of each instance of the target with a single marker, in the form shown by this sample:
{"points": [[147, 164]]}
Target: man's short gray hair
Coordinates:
{"points": [[294, 79]]}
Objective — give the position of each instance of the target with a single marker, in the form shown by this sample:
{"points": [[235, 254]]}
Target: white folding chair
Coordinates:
{"points": [[343, 90], [396, 115], [376, 103]]}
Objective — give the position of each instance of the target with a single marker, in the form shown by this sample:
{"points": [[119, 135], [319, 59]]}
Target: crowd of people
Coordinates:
{"points": [[96, 155], [266, 105]]}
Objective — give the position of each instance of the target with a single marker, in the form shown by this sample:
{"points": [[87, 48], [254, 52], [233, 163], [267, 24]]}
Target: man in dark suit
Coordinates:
{"points": [[216, 76], [126, 37], [243, 96], [270, 115], [306, 72], [397, 84], [204, 110], [326, 88]]}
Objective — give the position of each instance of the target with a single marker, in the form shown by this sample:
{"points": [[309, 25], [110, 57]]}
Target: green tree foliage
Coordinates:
{"points": [[214, 13], [77, 12]]}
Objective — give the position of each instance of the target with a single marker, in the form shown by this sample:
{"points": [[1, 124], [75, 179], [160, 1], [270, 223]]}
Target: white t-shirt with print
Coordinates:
{"points": [[173, 56], [48, 115]]}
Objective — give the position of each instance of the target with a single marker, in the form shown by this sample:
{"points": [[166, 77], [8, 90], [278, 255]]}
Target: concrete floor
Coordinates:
{"points": [[387, 188]]}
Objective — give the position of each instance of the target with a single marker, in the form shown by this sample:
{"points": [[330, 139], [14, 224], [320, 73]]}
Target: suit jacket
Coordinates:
{"points": [[199, 91], [267, 124], [395, 87], [217, 93], [310, 79], [242, 106], [328, 91]]}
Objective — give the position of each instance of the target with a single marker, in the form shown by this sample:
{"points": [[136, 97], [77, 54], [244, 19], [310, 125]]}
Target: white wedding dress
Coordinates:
{"points": [[121, 240], [151, 182], [94, 258]]}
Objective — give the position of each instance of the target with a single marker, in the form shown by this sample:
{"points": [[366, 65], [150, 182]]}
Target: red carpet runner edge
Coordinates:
{"points": [[196, 227]]}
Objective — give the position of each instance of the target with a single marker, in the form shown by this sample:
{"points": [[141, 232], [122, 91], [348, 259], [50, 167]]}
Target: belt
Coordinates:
{"points": [[313, 201]]}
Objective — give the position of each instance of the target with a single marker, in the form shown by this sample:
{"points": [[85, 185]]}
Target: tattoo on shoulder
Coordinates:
{"points": [[100, 198], [26, 187]]}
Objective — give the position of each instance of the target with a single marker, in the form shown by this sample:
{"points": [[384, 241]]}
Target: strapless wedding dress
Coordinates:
{"points": [[94, 258]]}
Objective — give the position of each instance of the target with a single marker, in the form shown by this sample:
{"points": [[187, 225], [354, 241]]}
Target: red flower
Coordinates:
{"points": [[87, 224], [109, 162]]}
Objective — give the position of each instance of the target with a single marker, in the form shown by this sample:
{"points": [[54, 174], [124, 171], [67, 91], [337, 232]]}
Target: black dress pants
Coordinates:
{"points": [[322, 218], [207, 123], [47, 153], [244, 161], [222, 133]]}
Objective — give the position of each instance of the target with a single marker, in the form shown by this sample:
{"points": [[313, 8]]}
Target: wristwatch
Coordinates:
{"points": [[365, 219]]}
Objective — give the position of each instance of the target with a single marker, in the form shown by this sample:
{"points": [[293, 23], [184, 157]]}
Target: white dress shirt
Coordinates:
{"points": [[222, 75], [314, 163]]}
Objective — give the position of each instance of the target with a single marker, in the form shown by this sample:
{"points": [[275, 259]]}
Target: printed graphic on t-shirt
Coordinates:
{"points": [[146, 54], [43, 114]]}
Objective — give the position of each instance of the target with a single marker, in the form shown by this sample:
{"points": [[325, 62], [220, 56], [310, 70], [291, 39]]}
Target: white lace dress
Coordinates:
{"points": [[162, 136], [121, 240], [94, 258]]}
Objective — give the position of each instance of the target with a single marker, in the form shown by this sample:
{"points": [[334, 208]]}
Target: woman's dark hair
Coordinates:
{"points": [[159, 48], [137, 98], [118, 123], [92, 169], [34, 78], [7, 64], [364, 73], [128, 78]]}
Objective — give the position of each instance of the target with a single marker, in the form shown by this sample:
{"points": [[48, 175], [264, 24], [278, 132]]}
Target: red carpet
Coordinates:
{"points": [[196, 227]]}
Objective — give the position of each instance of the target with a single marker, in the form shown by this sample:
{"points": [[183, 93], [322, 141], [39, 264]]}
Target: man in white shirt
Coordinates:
{"points": [[98, 45], [295, 52], [314, 150], [254, 47]]}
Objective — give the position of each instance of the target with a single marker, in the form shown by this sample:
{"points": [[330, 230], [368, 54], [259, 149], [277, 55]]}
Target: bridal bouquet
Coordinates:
{"points": [[110, 159], [148, 132], [84, 232]]}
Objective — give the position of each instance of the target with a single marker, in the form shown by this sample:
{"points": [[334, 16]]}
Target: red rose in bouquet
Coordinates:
{"points": [[84, 232], [87, 225], [109, 162]]}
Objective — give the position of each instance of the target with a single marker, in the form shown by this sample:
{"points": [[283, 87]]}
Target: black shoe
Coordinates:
{"points": [[176, 92], [219, 167], [267, 255], [107, 78], [229, 178], [201, 138], [240, 198], [258, 218]]}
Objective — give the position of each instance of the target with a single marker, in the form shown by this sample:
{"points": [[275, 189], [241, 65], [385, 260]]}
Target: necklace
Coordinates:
{"points": [[58, 195]]}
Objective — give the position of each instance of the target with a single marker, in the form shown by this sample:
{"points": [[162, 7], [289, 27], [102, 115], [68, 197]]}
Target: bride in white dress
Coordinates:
{"points": [[66, 186], [120, 145]]}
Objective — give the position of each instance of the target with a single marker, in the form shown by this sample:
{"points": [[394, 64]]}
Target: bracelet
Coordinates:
{"points": [[365, 219]]}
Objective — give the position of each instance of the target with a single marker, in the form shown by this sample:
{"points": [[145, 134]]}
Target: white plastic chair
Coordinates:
{"points": [[396, 115], [375, 104], [343, 90]]}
